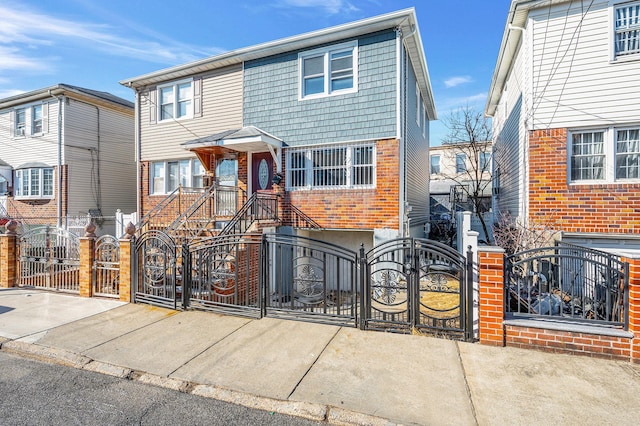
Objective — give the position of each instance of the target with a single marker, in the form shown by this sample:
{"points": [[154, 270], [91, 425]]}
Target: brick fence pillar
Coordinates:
{"points": [[634, 307], [9, 256], [125, 270], [491, 295], [87, 246]]}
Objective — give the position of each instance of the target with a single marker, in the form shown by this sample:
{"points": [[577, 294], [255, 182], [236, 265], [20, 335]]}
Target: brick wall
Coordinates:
{"points": [[560, 337], [607, 208], [362, 208], [569, 342]]}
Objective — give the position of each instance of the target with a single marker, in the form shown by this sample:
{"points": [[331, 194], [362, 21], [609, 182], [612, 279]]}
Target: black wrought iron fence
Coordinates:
{"points": [[567, 281]]}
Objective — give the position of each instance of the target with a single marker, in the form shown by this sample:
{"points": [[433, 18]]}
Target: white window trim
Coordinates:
{"points": [[33, 121], [612, 33], [165, 163], [40, 196], [349, 167], [174, 85], [325, 52], [20, 132], [610, 142]]}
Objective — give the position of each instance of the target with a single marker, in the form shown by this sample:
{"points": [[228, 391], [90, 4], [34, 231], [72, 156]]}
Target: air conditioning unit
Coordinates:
{"points": [[20, 131]]}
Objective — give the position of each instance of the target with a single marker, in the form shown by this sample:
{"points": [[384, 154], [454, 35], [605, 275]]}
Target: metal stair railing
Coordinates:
{"points": [[260, 206], [163, 213], [217, 201]]}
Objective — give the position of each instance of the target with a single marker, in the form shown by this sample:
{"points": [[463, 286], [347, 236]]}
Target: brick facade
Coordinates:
{"points": [[605, 208], [362, 208]]}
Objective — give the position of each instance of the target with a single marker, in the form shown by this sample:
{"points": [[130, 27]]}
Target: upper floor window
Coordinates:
{"points": [[627, 29], [36, 119], [329, 71], [167, 176], [593, 152], [435, 164], [21, 122], [461, 163], [484, 161], [34, 183], [341, 166], [175, 101]]}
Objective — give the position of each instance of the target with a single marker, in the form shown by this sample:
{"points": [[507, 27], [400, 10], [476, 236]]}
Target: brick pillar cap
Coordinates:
{"points": [[12, 225]]}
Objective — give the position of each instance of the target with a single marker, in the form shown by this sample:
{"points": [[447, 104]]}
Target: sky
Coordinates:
{"points": [[95, 44]]}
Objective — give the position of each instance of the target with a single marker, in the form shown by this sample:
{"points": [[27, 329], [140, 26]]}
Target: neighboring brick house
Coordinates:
{"points": [[66, 151], [339, 117], [566, 119]]}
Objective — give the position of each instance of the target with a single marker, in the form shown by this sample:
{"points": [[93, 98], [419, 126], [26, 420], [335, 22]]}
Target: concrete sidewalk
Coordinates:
{"points": [[341, 375]]}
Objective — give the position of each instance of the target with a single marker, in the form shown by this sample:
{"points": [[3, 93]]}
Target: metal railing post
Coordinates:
{"points": [[364, 295]]}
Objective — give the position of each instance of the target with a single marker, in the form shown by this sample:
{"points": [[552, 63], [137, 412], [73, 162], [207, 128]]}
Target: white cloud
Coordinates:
{"points": [[458, 80], [10, 92], [332, 7], [448, 105], [24, 31], [13, 58]]}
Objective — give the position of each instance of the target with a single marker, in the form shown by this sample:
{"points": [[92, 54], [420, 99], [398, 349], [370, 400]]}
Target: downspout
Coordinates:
{"points": [[136, 137], [59, 162], [402, 125]]}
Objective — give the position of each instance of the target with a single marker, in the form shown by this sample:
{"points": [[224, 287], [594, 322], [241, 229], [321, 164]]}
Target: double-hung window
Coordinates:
{"points": [[338, 166], [605, 155], [587, 156], [21, 122], [176, 101], [36, 119], [461, 163], [34, 183], [485, 161], [167, 176], [627, 29], [435, 164], [329, 71]]}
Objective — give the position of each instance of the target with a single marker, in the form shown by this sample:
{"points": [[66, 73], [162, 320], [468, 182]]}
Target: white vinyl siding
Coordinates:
{"points": [[575, 83], [332, 167], [221, 110], [99, 157], [328, 71], [42, 148]]}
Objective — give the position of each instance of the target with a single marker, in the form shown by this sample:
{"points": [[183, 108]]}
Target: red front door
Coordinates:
{"points": [[261, 171]]}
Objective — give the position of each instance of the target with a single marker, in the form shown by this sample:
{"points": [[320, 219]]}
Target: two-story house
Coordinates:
{"points": [[336, 121], [566, 119], [65, 151]]}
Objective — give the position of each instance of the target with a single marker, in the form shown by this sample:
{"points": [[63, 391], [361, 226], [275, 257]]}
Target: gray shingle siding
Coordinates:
{"points": [[271, 98]]}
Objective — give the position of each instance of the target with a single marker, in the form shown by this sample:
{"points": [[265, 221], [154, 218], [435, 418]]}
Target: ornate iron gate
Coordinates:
{"points": [[155, 270], [49, 258], [311, 280], [224, 275], [106, 267], [414, 284]]}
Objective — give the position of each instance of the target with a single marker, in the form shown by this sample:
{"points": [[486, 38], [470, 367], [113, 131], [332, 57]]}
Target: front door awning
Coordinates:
{"points": [[247, 139]]}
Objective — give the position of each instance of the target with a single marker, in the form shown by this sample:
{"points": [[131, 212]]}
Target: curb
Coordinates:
{"points": [[308, 410]]}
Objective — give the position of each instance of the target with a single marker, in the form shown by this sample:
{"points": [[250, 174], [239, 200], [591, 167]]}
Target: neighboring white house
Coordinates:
{"points": [[66, 151], [566, 118]]}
